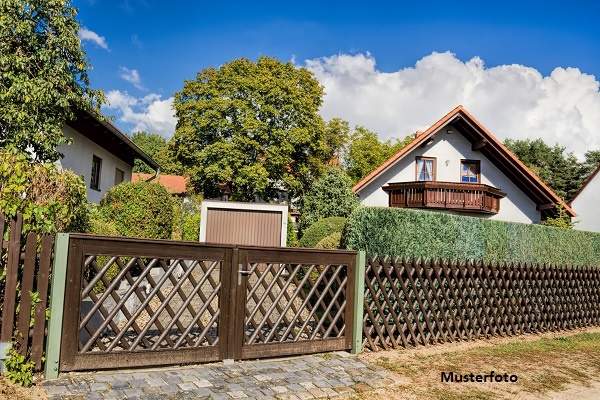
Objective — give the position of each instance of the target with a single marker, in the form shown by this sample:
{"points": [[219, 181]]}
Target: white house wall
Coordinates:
{"points": [[449, 150], [78, 158], [586, 205]]}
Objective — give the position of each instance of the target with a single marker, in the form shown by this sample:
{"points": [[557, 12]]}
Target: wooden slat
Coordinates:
{"points": [[26, 289], [42, 286], [12, 271]]}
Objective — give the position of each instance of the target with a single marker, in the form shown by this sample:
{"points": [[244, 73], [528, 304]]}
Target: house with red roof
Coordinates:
{"points": [[459, 166], [175, 184]]}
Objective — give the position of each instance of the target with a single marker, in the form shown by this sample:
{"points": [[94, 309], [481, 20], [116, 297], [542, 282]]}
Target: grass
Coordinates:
{"points": [[543, 364]]}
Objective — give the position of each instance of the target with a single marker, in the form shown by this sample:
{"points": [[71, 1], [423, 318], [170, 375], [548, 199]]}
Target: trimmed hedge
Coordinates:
{"points": [[330, 241], [426, 234], [320, 229], [140, 209]]}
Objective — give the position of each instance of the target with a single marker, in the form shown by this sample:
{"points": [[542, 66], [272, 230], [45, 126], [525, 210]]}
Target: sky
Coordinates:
{"points": [[525, 69]]}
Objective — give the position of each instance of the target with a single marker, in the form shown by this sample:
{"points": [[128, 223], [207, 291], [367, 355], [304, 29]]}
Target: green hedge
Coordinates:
{"points": [[140, 209], [426, 234], [320, 229], [330, 242]]}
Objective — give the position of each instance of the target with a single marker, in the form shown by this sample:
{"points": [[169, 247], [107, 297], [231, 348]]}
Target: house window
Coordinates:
{"points": [[119, 176], [96, 171], [470, 171], [426, 169]]}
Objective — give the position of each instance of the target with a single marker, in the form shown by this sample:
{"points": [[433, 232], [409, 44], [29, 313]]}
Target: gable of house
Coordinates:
{"points": [[459, 137], [100, 153], [586, 201]]}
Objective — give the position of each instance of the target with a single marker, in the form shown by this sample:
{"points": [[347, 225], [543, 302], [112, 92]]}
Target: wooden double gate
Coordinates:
{"points": [[131, 302]]}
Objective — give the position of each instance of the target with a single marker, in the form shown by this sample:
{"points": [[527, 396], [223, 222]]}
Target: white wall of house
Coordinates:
{"points": [[449, 150], [586, 206], [78, 158]]}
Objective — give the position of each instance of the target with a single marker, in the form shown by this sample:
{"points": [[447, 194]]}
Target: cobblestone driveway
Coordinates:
{"points": [[305, 377]]}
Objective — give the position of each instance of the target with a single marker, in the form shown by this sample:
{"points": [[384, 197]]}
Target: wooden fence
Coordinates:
{"points": [[410, 303], [25, 266]]}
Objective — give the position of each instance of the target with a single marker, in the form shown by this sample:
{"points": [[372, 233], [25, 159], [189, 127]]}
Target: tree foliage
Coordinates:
{"points": [[140, 209], [559, 169], [366, 152], [330, 196], [50, 200], [337, 139], [43, 75], [251, 126], [157, 147]]}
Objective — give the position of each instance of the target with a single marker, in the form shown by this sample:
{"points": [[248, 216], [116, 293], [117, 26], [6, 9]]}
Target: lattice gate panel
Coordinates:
{"points": [[136, 304], [411, 303], [294, 302]]}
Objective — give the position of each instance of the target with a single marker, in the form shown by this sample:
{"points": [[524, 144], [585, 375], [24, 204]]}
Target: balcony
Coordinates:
{"points": [[466, 197]]}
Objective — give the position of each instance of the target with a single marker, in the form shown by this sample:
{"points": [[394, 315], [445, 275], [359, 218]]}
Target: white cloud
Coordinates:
{"points": [[149, 113], [513, 101], [88, 35], [132, 76]]}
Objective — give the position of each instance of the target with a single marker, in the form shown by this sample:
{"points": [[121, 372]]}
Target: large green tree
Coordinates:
{"points": [[253, 127], [366, 152], [559, 169], [43, 75], [157, 147]]}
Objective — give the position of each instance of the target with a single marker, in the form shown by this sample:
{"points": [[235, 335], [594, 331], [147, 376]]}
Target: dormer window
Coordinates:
{"points": [[470, 171], [425, 169]]}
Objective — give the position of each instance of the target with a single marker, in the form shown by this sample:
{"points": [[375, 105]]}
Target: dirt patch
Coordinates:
{"points": [[10, 391], [544, 364]]}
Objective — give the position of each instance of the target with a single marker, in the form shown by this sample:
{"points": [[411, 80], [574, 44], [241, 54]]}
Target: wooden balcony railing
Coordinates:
{"points": [[469, 197]]}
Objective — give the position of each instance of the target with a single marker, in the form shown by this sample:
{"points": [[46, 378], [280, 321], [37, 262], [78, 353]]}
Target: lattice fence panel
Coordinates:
{"points": [[410, 303], [137, 304], [294, 302]]}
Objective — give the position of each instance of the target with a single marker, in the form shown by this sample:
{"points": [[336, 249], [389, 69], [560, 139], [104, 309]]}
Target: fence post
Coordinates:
{"points": [[359, 302], [57, 299]]}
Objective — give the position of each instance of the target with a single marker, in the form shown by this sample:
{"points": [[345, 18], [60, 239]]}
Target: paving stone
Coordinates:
{"points": [[99, 387], [305, 377], [237, 394]]}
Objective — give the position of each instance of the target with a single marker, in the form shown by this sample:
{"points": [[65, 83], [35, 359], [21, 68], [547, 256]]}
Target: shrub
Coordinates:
{"points": [[330, 241], [191, 226], [322, 228], [330, 196], [18, 369], [140, 209], [426, 234], [292, 236], [50, 200], [186, 219]]}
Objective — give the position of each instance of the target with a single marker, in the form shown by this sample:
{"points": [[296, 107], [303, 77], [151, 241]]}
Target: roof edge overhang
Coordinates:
{"points": [[584, 184], [526, 179], [99, 130]]}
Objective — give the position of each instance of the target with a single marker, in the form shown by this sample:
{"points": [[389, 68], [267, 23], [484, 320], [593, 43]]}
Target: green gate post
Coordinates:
{"points": [[57, 302], [359, 302]]}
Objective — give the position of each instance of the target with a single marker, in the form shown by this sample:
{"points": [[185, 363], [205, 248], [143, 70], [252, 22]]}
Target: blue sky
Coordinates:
{"points": [[168, 42]]}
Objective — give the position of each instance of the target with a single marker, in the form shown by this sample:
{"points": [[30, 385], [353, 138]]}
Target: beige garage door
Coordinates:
{"points": [[243, 227]]}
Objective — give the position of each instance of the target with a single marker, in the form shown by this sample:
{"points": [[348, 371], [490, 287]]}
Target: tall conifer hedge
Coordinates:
{"points": [[426, 234]]}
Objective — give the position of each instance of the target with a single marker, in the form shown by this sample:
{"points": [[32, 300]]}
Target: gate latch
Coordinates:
{"points": [[244, 272]]}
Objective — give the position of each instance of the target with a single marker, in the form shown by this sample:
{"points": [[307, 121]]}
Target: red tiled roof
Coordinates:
{"points": [[497, 147], [175, 184]]}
